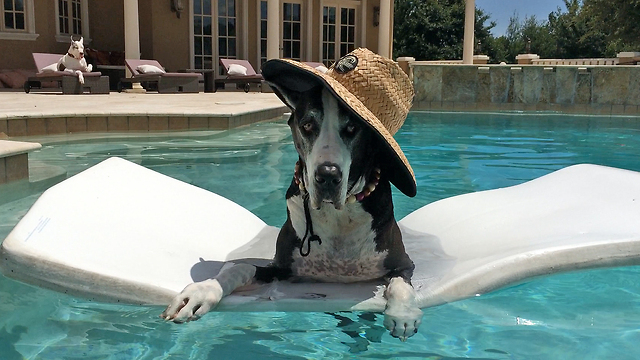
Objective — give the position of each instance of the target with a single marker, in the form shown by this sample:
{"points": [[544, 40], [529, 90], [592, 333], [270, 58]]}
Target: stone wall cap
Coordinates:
{"points": [[527, 56], [9, 147]]}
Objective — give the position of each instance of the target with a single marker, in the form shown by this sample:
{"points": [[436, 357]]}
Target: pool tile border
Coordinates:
{"points": [[47, 125], [43, 125], [584, 109]]}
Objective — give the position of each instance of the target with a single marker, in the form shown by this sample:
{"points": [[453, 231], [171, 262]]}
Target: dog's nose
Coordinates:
{"points": [[328, 175]]}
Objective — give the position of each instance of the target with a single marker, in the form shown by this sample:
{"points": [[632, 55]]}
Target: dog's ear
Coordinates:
{"points": [[71, 38], [291, 98], [81, 40], [288, 82]]}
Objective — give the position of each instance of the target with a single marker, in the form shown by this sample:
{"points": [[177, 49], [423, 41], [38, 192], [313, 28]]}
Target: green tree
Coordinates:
{"points": [[616, 20], [574, 33], [528, 36], [434, 29]]}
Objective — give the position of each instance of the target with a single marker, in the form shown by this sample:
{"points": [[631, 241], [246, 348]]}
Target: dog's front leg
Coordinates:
{"points": [[198, 298], [80, 76], [402, 316]]}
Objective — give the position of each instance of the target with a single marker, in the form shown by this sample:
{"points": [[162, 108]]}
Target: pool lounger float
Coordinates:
{"points": [[121, 232]]}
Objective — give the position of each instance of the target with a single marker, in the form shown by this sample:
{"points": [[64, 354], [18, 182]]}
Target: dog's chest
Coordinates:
{"points": [[348, 250], [74, 64]]}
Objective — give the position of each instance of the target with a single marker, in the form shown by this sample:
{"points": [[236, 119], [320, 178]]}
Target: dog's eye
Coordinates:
{"points": [[350, 130], [308, 127]]}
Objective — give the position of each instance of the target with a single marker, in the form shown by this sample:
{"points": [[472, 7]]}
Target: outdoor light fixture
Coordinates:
{"points": [[376, 16], [177, 6]]}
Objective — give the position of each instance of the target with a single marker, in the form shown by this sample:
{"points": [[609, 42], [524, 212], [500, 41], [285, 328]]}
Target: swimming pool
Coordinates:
{"points": [[591, 314]]}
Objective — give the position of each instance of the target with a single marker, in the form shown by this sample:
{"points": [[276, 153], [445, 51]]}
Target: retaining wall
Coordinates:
{"points": [[598, 90]]}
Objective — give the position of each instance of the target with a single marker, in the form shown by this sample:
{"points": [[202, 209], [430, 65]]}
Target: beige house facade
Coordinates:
{"points": [[195, 34]]}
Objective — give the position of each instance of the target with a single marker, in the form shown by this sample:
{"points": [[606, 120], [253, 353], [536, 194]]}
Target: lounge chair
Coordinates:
{"points": [[152, 73], [68, 81], [244, 77]]}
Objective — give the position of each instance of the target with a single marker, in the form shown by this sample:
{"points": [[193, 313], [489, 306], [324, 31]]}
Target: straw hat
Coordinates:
{"points": [[373, 87]]}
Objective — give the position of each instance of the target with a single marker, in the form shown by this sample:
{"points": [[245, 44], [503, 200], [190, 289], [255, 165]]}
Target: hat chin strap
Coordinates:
{"points": [[309, 235]]}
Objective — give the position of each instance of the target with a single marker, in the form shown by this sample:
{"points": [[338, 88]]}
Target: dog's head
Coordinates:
{"points": [[337, 150], [76, 49], [343, 121]]}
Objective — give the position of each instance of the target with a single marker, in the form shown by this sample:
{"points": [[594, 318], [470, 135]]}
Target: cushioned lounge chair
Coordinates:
{"points": [[94, 82], [245, 80], [167, 82]]}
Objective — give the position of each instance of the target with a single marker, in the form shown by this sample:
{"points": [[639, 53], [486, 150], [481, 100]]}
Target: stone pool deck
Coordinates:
{"points": [[41, 113]]}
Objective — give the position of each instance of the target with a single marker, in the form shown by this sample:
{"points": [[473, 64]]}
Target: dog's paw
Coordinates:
{"points": [[89, 68], [402, 316], [402, 322], [80, 77], [194, 301]]}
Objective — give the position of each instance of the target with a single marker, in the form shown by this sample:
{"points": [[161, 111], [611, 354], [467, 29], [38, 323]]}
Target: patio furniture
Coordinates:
{"points": [[244, 78], [94, 82], [114, 72], [208, 75], [167, 82]]}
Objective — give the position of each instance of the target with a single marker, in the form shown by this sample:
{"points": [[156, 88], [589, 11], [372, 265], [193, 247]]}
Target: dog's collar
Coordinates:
{"points": [[366, 191], [71, 55]]}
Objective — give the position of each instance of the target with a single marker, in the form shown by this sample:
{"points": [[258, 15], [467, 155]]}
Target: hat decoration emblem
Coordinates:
{"points": [[346, 64]]}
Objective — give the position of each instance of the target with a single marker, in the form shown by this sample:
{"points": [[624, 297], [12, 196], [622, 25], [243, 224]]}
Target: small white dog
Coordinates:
{"points": [[74, 60]]}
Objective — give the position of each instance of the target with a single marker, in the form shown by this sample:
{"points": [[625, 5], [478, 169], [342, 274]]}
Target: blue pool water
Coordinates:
{"points": [[585, 315]]}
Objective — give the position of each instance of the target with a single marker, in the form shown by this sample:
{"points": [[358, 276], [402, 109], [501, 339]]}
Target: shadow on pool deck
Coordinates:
{"points": [[44, 113]]}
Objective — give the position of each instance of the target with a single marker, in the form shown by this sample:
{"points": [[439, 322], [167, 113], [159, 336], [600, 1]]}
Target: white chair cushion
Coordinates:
{"points": [[149, 69], [236, 69], [50, 68]]}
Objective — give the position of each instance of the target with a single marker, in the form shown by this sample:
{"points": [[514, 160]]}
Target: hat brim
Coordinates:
{"points": [[288, 75]]}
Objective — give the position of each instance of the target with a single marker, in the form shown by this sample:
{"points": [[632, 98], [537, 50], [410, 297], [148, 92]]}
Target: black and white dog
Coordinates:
{"points": [[340, 225], [74, 60]]}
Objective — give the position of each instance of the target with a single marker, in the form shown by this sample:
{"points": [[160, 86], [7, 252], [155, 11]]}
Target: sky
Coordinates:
{"points": [[502, 10]]}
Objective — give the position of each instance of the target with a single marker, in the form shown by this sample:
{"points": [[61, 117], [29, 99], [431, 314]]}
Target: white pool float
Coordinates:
{"points": [[121, 232]]}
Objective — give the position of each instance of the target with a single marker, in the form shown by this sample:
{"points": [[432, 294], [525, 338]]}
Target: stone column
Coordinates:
{"points": [[132, 37], [245, 28], [406, 63], [628, 58], [469, 24], [480, 59], [273, 29], [384, 29], [526, 59]]}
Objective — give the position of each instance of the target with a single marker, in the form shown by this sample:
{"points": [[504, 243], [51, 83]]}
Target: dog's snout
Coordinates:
{"points": [[328, 175]]}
